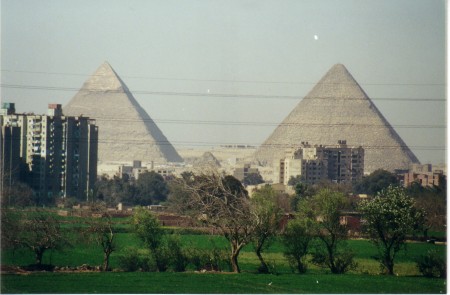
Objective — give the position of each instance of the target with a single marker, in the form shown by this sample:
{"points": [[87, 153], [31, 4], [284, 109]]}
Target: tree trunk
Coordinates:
{"points": [[263, 268], [38, 255], [105, 266], [234, 262]]}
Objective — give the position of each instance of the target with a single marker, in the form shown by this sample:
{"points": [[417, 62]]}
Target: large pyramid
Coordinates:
{"points": [[126, 131], [337, 108]]}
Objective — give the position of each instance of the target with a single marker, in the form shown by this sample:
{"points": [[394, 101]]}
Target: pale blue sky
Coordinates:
{"points": [[393, 48]]}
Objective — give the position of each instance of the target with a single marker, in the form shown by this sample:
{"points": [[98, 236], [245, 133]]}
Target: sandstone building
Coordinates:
{"points": [[339, 163], [126, 131], [337, 107], [59, 153]]}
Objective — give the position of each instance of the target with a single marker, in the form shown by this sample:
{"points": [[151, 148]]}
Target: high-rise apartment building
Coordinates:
{"points": [[339, 163], [59, 152]]}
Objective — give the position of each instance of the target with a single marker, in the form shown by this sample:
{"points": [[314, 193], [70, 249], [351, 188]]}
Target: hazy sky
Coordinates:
{"points": [[267, 54]]}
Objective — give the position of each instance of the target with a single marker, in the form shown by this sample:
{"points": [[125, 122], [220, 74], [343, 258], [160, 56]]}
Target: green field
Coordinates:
{"points": [[365, 279], [135, 282]]}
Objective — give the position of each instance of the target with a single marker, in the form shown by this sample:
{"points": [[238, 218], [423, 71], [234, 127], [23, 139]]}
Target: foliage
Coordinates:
{"points": [[389, 218], [131, 260], [375, 182], [38, 232], [294, 180], [151, 189], [221, 202], [178, 256], [113, 191], [149, 231], [324, 209], [302, 191], [252, 179], [296, 239], [267, 216], [432, 265], [435, 206]]}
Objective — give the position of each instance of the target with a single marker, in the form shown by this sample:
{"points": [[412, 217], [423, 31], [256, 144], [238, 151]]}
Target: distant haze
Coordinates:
{"points": [[178, 58]]}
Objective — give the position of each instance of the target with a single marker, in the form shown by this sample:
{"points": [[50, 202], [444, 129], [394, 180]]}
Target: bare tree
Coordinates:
{"points": [[222, 202], [100, 231]]}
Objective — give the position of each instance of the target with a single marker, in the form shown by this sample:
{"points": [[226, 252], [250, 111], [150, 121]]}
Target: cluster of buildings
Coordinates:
{"points": [[55, 155], [315, 163]]}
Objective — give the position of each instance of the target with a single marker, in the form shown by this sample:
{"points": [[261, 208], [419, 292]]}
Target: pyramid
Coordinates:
{"points": [[337, 108], [126, 131]]}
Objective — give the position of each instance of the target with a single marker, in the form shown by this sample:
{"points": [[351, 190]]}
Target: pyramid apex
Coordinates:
{"points": [[104, 79]]}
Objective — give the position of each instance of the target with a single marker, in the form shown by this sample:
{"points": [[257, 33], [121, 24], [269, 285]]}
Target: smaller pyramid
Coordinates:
{"points": [[126, 131], [337, 108]]}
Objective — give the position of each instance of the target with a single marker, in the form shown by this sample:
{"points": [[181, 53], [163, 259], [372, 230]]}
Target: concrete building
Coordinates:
{"points": [[133, 172], [241, 172], [426, 175], [10, 156], [59, 152], [339, 163]]}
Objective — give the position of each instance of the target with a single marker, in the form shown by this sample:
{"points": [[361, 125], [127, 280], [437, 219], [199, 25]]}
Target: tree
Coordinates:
{"points": [[100, 231], [325, 210], [253, 179], [147, 228], [221, 202], [267, 215], [389, 218], [17, 195], [36, 230], [302, 191], [113, 191], [151, 189], [376, 182], [296, 241]]}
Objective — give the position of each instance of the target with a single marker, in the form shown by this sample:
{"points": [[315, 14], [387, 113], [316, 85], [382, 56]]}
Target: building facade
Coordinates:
{"points": [[315, 163], [59, 152], [426, 175]]}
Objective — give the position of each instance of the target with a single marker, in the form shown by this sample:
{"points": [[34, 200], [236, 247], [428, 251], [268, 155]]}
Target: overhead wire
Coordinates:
{"points": [[206, 94]]}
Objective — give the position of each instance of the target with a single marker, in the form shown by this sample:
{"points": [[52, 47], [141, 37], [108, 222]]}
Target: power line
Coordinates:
{"points": [[217, 80], [217, 95], [262, 124]]}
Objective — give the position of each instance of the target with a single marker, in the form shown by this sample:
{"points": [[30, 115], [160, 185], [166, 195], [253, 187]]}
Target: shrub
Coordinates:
{"points": [[341, 262], [133, 261], [432, 265], [178, 257], [130, 261]]}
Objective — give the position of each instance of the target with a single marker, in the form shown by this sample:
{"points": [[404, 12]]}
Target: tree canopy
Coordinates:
{"points": [[375, 182], [389, 218]]}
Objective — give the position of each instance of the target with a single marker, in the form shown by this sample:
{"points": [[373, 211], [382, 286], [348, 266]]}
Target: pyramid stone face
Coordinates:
{"points": [[337, 108], [126, 131]]}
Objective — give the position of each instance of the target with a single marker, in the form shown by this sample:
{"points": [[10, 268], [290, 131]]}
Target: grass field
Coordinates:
{"points": [[136, 282], [365, 279]]}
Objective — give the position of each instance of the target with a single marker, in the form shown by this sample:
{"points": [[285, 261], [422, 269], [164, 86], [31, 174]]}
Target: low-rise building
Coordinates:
{"points": [[426, 175]]}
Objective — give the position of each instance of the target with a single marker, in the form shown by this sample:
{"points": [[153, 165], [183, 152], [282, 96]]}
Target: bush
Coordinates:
{"points": [[432, 265], [341, 263], [178, 257], [212, 259], [133, 261]]}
